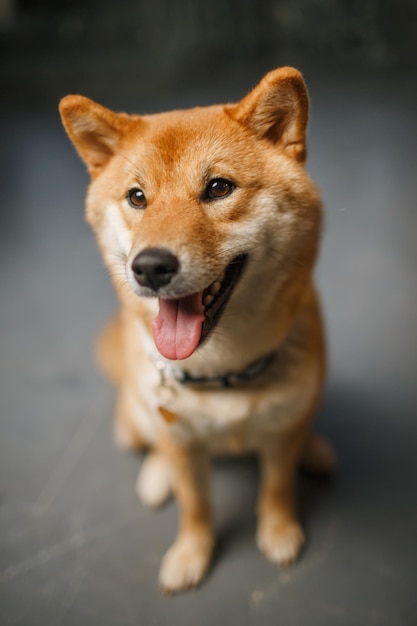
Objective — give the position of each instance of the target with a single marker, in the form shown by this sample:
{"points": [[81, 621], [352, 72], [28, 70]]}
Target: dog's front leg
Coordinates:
{"points": [[279, 533], [187, 561]]}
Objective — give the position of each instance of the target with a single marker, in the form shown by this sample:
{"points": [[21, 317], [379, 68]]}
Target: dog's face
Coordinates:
{"points": [[191, 208]]}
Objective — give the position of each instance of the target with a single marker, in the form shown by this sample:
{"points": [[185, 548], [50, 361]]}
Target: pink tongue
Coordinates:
{"points": [[178, 325]]}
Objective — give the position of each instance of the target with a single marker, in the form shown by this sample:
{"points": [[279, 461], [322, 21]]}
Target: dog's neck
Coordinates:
{"points": [[229, 379]]}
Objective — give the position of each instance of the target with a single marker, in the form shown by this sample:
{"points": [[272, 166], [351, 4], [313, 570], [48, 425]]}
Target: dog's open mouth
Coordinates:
{"points": [[182, 325]]}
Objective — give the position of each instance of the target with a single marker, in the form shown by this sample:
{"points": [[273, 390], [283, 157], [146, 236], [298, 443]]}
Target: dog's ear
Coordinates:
{"points": [[277, 109], [94, 130]]}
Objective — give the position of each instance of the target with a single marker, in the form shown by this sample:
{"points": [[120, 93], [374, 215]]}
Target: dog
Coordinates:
{"points": [[210, 227]]}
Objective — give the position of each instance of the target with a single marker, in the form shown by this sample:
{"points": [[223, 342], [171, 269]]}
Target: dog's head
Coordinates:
{"points": [[194, 207]]}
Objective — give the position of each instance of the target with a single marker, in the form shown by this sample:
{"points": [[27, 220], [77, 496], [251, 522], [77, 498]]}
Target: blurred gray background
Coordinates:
{"points": [[135, 48], [76, 547]]}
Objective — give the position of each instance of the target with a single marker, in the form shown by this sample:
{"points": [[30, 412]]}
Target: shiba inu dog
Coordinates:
{"points": [[210, 227]]}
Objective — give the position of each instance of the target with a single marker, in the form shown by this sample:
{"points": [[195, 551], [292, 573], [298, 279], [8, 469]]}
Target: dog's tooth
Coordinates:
{"points": [[215, 287], [222, 276], [208, 299]]}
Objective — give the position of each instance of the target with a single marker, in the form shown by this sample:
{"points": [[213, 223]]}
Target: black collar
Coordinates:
{"points": [[230, 379]]}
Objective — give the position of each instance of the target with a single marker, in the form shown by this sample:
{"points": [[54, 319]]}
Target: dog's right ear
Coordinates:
{"points": [[94, 130]]}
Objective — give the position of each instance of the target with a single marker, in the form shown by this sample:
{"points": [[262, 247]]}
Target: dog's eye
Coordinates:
{"points": [[218, 188], [136, 198]]}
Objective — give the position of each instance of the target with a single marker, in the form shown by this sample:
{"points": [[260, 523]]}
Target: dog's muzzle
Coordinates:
{"points": [[184, 323]]}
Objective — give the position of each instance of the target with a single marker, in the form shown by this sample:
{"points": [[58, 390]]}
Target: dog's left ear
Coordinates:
{"points": [[277, 109]]}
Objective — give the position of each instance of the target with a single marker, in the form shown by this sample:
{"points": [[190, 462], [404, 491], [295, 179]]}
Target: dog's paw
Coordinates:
{"points": [[186, 563], [280, 541], [154, 481]]}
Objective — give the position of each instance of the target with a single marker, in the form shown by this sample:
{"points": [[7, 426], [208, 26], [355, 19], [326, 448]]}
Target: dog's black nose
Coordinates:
{"points": [[155, 267]]}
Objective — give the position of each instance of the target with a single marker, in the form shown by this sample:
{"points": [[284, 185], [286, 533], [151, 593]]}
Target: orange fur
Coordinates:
{"points": [[272, 213]]}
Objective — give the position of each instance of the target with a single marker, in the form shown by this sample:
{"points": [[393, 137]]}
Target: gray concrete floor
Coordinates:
{"points": [[76, 545]]}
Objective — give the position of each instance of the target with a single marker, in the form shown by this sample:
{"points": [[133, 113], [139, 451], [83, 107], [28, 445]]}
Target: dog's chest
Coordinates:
{"points": [[227, 420]]}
